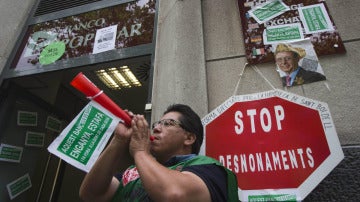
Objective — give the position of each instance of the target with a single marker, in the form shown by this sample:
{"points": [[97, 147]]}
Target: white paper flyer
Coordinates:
{"points": [[105, 39]]}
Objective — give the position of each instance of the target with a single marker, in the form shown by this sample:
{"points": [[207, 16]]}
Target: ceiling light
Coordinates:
{"points": [[118, 77]]}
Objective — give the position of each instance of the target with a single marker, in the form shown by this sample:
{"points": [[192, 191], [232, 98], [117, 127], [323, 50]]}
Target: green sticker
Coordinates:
{"points": [[52, 52]]}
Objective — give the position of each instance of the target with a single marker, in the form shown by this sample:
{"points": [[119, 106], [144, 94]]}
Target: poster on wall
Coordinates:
{"points": [[267, 22], [297, 63], [10, 153], [26, 118], [19, 186], [34, 139]]}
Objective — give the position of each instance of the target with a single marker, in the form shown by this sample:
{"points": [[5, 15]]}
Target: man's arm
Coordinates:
{"points": [[100, 184], [164, 184]]}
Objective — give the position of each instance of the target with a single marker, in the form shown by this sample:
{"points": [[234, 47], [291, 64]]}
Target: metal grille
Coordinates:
{"points": [[50, 6]]}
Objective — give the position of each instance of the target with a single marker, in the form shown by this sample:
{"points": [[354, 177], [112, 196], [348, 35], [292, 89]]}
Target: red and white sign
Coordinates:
{"points": [[280, 145]]}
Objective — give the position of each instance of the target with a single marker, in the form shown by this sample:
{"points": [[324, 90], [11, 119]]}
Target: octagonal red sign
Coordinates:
{"points": [[277, 143]]}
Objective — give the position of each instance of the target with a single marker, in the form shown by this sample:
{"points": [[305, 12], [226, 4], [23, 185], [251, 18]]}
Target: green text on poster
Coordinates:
{"points": [[85, 135]]}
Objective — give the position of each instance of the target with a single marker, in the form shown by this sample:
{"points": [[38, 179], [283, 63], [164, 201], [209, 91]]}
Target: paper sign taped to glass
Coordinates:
{"points": [[82, 141]]}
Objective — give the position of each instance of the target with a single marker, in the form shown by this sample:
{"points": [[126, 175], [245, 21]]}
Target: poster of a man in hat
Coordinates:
{"points": [[292, 71]]}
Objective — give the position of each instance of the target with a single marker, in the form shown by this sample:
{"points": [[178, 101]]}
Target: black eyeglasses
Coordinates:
{"points": [[166, 123]]}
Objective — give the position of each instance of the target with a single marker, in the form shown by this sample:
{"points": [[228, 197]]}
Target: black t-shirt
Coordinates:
{"points": [[215, 178]]}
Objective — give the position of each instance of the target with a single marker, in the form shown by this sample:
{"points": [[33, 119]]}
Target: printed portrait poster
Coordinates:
{"points": [[297, 63], [266, 22]]}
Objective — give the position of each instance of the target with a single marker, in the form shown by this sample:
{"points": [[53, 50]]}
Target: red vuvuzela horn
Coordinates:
{"points": [[83, 84]]}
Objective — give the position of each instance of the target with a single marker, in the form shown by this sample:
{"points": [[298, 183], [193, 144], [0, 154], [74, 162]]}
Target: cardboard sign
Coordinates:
{"points": [[279, 145]]}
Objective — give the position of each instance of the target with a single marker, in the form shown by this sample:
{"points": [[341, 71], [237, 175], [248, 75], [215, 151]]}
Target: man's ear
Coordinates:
{"points": [[190, 138]]}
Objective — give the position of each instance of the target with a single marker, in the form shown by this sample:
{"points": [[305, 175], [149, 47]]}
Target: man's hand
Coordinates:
{"points": [[100, 184], [140, 137], [123, 132]]}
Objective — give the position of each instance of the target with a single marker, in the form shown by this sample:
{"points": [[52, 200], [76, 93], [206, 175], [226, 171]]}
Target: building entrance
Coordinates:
{"points": [[50, 94]]}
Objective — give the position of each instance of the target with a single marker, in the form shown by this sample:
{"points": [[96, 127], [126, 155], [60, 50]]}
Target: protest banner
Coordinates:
{"points": [[280, 145], [82, 141]]}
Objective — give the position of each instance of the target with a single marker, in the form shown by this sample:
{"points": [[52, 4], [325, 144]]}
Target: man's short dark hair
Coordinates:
{"points": [[190, 122]]}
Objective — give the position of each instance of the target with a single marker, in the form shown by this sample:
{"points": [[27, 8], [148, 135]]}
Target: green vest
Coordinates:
{"points": [[134, 191]]}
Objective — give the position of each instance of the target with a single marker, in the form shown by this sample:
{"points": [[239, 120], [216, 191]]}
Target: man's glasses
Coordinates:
{"points": [[166, 123]]}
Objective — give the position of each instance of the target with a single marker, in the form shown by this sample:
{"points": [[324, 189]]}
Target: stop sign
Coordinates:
{"points": [[280, 145]]}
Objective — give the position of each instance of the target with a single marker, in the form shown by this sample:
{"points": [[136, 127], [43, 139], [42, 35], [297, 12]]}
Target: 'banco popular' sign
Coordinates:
{"points": [[134, 20], [280, 145]]}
